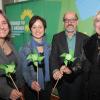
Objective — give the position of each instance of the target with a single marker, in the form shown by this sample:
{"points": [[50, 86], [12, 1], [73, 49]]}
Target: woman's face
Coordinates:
{"points": [[37, 29], [4, 29]]}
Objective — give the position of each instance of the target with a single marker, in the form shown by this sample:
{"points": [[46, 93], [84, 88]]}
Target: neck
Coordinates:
{"points": [[2, 41], [38, 39], [70, 34]]}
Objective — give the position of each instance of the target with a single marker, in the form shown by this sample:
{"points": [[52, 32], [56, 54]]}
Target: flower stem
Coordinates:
{"points": [[15, 86], [55, 86]]}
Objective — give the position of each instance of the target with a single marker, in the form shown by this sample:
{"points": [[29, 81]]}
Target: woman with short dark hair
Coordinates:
{"points": [[38, 45]]}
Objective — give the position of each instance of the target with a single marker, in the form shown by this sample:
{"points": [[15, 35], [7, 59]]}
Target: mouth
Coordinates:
{"points": [[70, 28], [70, 25]]}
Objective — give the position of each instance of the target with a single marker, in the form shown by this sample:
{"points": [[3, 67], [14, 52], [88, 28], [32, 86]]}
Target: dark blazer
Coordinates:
{"points": [[59, 46], [5, 89], [92, 52]]}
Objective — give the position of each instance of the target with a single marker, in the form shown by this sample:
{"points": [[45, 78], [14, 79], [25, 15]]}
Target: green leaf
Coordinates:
{"points": [[65, 62], [8, 68], [63, 55], [32, 57], [35, 58], [72, 59], [40, 58], [68, 57]]}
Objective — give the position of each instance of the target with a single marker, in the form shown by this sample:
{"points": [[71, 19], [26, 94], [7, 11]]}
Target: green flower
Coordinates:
{"points": [[35, 58], [8, 68], [68, 57]]}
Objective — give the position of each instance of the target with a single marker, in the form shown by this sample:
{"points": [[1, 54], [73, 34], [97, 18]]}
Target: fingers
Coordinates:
{"points": [[35, 86], [57, 75], [65, 70], [62, 69], [15, 94]]}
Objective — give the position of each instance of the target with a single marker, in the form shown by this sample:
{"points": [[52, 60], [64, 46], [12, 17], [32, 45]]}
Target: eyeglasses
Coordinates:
{"points": [[70, 20]]}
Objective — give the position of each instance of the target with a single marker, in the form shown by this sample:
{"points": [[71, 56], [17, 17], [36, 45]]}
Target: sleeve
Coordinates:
{"points": [[26, 70], [54, 56]]}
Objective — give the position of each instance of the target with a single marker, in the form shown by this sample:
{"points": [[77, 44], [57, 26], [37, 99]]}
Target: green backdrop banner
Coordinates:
{"points": [[19, 15]]}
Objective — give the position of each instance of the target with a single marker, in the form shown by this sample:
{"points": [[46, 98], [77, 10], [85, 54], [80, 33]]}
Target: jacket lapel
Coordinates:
{"points": [[64, 43]]}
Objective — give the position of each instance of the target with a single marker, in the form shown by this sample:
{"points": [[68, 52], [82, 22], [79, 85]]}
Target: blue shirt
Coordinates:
{"points": [[71, 42]]}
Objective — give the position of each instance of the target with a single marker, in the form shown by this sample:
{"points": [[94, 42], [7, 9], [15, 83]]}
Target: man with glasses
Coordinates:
{"points": [[69, 85]]}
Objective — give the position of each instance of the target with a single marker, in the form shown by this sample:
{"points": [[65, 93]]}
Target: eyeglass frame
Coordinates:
{"points": [[70, 20]]}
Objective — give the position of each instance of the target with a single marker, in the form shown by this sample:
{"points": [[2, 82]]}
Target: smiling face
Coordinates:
{"points": [[70, 22], [38, 29], [4, 28]]}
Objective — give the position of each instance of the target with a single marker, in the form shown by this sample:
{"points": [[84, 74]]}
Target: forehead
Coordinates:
{"points": [[38, 21], [70, 15], [2, 18], [98, 16]]}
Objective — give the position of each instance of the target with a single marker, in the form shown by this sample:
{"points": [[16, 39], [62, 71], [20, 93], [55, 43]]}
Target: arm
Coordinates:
{"points": [[54, 60], [25, 68]]}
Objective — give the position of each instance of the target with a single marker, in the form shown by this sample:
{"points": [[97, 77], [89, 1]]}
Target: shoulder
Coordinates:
{"points": [[91, 39], [59, 36], [82, 35], [25, 49]]}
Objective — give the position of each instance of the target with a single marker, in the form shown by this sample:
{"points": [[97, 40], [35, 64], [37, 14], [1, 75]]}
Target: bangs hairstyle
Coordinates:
{"points": [[8, 37], [34, 19]]}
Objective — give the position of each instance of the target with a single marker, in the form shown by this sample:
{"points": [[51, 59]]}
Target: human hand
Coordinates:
{"points": [[57, 75], [65, 70], [15, 94], [35, 86]]}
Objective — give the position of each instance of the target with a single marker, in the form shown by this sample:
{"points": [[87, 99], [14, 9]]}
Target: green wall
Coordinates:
{"points": [[19, 15]]}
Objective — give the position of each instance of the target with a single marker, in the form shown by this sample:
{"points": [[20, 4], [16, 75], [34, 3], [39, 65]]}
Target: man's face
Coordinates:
{"points": [[70, 22]]}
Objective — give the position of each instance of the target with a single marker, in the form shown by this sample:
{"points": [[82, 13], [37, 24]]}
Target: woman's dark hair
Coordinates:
{"points": [[34, 19], [9, 34]]}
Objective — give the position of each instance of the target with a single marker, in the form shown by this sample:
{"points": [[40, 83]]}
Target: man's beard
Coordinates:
{"points": [[70, 29]]}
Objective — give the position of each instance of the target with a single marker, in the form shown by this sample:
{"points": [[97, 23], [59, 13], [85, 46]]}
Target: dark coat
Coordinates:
{"points": [[69, 86], [5, 88], [92, 53]]}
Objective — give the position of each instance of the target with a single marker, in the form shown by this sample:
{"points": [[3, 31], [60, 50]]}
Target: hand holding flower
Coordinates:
{"points": [[35, 86], [57, 75], [15, 94], [65, 70]]}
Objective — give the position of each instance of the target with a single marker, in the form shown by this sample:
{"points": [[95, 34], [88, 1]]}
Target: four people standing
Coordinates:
{"points": [[70, 80]]}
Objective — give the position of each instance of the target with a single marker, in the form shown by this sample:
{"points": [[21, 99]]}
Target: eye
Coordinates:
{"points": [[70, 20], [97, 20], [4, 23]]}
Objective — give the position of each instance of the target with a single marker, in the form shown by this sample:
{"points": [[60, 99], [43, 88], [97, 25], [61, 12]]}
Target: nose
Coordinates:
{"points": [[69, 22]]}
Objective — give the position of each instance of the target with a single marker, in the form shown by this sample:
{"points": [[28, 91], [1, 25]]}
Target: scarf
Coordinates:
{"points": [[41, 77]]}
